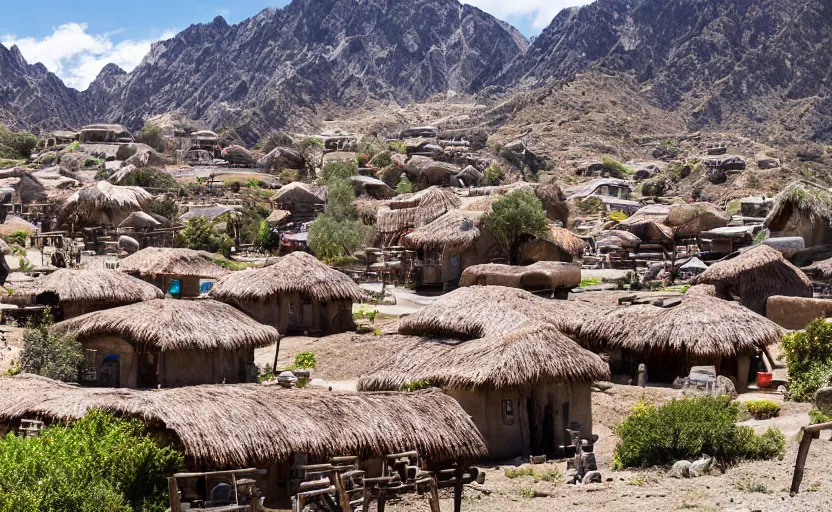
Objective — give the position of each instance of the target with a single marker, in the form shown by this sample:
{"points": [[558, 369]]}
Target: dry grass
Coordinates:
{"points": [[416, 210], [89, 286], [455, 231], [299, 192], [88, 205], [154, 261]]}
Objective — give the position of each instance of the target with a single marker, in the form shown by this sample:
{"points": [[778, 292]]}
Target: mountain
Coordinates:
{"points": [[285, 67], [32, 97], [761, 65]]}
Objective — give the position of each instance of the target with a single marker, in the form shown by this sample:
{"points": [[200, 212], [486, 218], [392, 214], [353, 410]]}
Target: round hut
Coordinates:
{"points": [[407, 212], [802, 209], [168, 343], [755, 274], [689, 220], [103, 204], [71, 293], [555, 244], [181, 273], [701, 330], [296, 294]]}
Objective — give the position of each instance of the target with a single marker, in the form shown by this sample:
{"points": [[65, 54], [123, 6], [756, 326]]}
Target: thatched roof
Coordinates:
{"points": [[455, 231], [174, 325], [139, 220], [531, 354], [277, 216], [14, 224], [754, 274], [565, 240], [537, 276], [812, 201], [299, 192], [648, 224], [820, 269], [233, 426], [700, 326], [297, 272], [88, 286], [482, 311], [104, 203], [693, 219], [155, 261], [416, 210], [615, 239]]}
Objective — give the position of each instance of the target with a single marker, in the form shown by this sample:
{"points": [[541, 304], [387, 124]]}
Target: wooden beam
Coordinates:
{"points": [[458, 491], [800, 463]]}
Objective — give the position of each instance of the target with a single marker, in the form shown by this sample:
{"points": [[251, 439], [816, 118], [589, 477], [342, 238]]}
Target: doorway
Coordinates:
{"points": [[109, 373]]}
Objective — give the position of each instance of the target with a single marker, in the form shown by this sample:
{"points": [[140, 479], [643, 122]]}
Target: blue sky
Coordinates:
{"points": [[76, 39]]}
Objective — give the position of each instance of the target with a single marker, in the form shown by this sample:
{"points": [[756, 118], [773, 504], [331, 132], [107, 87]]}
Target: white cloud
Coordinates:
{"points": [[77, 56], [539, 13]]}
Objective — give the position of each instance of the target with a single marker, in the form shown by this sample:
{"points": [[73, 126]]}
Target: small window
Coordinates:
{"points": [[508, 412], [205, 286], [175, 287]]}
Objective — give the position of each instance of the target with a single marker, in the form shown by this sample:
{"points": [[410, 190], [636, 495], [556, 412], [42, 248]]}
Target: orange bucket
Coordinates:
{"points": [[764, 379]]}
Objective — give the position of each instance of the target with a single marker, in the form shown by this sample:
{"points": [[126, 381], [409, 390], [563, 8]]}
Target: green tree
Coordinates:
{"points": [[404, 186], [337, 171], [150, 178], [493, 174], [514, 219], [151, 134], [332, 239], [17, 144], [199, 235], [166, 207], [49, 354], [266, 238], [96, 463], [809, 359]]}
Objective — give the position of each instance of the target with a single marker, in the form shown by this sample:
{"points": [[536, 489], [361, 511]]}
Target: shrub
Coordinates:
{"points": [[816, 416], [49, 354], [267, 239], [615, 168], [404, 186], [152, 135], [96, 463], [150, 178], [288, 175], [809, 359], [382, 160], [103, 174], [617, 215], [514, 219], [331, 238], [335, 171], [275, 139], [305, 361], [370, 145], [416, 385], [493, 174], [18, 237], [397, 146], [199, 235], [93, 162], [235, 187], [687, 428], [125, 152], [17, 144], [167, 208], [546, 474], [762, 409], [49, 159]]}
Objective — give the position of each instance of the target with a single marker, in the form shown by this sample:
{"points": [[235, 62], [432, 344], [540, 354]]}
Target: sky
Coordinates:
{"points": [[76, 39]]}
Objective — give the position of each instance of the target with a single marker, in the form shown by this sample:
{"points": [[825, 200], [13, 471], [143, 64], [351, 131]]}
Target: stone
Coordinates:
{"points": [[823, 400], [592, 477], [681, 469], [796, 312], [788, 245], [589, 463], [602, 385], [701, 467], [572, 476], [767, 162], [717, 176], [128, 244], [725, 386]]}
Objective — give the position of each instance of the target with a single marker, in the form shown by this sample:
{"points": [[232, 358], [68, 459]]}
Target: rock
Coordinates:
{"points": [[538, 459], [767, 162], [823, 400], [681, 469], [572, 476], [282, 158], [602, 386], [796, 312], [589, 463], [725, 386], [788, 245], [592, 477], [717, 176], [145, 157], [701, 467]]}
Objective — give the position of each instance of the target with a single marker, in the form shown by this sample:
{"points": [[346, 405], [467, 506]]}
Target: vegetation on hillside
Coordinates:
{"points": [[199, 235]]}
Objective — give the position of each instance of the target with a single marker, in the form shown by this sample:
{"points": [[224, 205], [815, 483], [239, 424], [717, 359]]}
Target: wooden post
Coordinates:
{"points": [[433, 497], [800, 463], [382, 500], [276, 352], [458, 490], [342, 494], [173, 490]]}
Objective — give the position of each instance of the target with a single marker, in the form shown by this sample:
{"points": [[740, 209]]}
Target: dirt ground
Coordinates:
{"points": [[747, 487]]}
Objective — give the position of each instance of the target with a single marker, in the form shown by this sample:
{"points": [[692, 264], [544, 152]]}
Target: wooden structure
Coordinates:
{"points": [[242, 495], [181, 273], [807, 434], [302, 200]]}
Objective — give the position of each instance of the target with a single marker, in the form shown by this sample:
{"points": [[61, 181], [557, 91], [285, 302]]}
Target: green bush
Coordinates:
{"points": [[96, 463], [816, 416], [48, 159], [404, 186], [288, 175], [150, 178], [332, 239], [336, 171], [305, 361], [397, 146], [152, 135], [199, 235], [493, 175], [382, 160], [18, 237], [167, 208], [15, 145], [267, 240], [514, 219], [49, 354], [809, 359], [93, 162], [762, 409], [615, 168], [415, 385], [687, 428]]}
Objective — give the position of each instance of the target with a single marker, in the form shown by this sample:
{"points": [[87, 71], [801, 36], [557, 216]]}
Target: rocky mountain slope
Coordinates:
{"points": [[758, 65]]}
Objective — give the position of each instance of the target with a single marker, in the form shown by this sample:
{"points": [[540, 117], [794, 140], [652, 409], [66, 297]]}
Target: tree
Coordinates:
{"points": [[49, 354], [332, 239], [267, 239], [514, 219], [152, 135], [199, 235], [337, 171]]}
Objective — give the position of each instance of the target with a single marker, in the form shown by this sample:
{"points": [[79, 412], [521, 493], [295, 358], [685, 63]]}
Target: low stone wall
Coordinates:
{"points": [[796, 312]]}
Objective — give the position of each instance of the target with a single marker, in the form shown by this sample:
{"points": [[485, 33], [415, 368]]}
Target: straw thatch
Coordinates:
{"points": [[416, 210], [615, 240], [820, 270], [104, 203], [537, 276], [299, 192], [174, 325], [297, 272], [456, 231], [140, 220], [482, 311], [648, 224], [277, 216], [233, 426], [693, 219], [158, 261], [16, 224], [565, 240], [700, 326], [755, 274], [554, 202], [810, 202], [702, 290], [89, 287], [533, 354]]}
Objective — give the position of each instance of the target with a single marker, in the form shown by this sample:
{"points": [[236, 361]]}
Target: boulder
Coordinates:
{"points": [[128, 244], [592, 477], [787, 245], [717, 176], [145, 157], [823, 400], [701, 467], [572, 476], [767, 162], [796, 312], [681, 469], [282, 158], [725, 386]]}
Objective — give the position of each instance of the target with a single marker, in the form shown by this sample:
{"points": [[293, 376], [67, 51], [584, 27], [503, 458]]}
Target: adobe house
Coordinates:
{"points": [[168, 343], [181, 273], [296, 294]]}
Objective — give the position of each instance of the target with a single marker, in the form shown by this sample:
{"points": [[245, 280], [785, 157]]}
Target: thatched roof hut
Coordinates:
{"points": [[615, 240], [821, 270], [278, 422], [299, 192], [155, 261], [543, 275], [103, 204], [526, 356], [76, 292], [700, 326], [566, 241], [140, 220], [648, 224], [297, 272], [456, 231], [755, 274], [692, 219], [409, 211], [803, 209], [174, 325]]}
